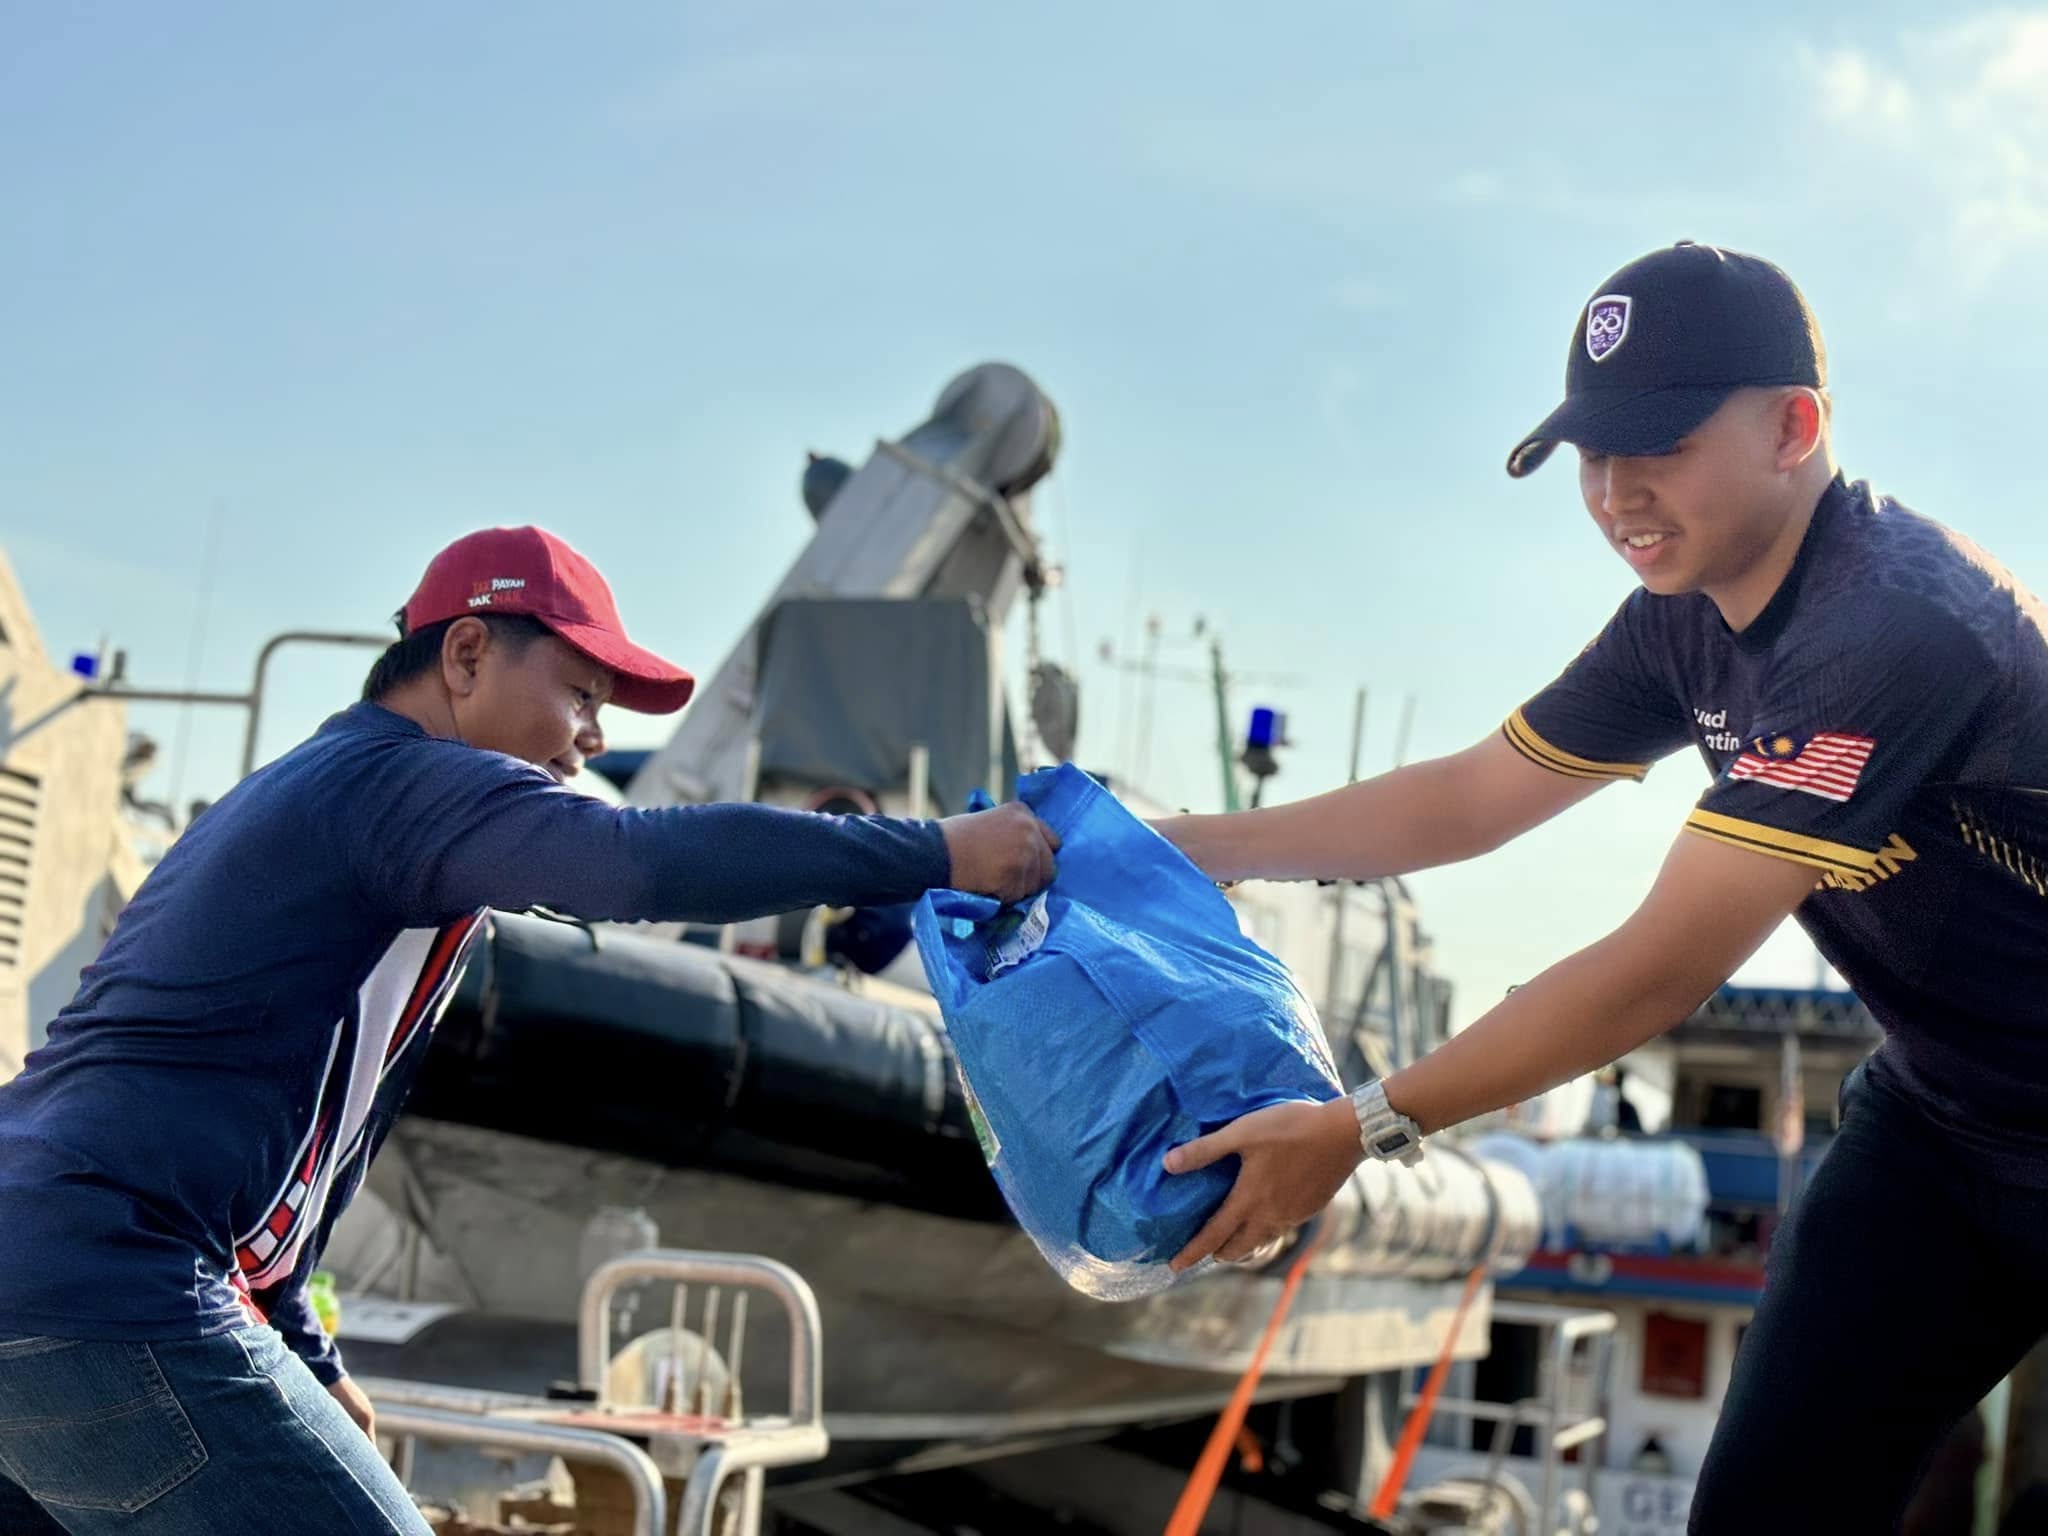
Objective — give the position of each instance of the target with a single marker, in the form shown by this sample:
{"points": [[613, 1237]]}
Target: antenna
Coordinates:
{"points": [[202, 610], [1215, 677], [1148, 692], [1407, 725]]}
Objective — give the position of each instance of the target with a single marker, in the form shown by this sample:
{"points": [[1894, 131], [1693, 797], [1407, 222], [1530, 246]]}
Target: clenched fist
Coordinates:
{"points": [[1005, 853]]}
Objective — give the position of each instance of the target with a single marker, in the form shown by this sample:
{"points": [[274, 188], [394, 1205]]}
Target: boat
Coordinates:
{"points": [[1659, 1208]]}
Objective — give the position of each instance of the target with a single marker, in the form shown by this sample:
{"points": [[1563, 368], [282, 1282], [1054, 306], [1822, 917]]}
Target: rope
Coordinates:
{"points": [[1201, 1485], [1425, 1405]]}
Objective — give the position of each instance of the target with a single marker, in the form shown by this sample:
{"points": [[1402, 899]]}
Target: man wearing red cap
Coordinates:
{"points": [[173, 1159]]}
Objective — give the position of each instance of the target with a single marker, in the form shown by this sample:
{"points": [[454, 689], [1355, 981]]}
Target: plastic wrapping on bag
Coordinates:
{"points": [[1113, 1017]]}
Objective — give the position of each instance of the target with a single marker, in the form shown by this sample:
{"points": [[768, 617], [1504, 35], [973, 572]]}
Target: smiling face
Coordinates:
{"points": [[532, 698], [1713, 516]]}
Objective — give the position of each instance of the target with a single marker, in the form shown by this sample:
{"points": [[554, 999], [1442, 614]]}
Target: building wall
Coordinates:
{"points": [[65, 866]]}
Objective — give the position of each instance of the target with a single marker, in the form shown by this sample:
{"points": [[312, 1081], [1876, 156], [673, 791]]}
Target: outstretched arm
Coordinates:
{"points": [[448, 829], [1710, 908], [1418, 817]]}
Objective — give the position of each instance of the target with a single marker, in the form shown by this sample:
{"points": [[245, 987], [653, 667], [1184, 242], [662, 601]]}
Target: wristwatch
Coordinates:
{"points": [[1384, 1131]]}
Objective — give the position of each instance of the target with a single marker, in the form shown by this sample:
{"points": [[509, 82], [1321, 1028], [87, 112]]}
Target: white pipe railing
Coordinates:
{"points": [[650, 1499], [594, 1321]]}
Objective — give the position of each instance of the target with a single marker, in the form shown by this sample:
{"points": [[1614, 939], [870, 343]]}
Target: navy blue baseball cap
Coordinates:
{"points": [[1663, 342]]}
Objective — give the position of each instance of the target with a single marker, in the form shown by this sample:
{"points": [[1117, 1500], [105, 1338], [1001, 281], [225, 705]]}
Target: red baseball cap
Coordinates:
{"points": [[530, 571]]}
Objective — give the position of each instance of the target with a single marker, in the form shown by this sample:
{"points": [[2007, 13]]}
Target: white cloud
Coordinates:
{"points": [[1958, 117], [1851, 89], [2008, 48]]}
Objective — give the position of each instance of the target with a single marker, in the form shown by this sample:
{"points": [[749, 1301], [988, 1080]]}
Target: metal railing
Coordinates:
{"points": [[745, 1449], [507, 1433], [117, 688], [686, 1267], [1561, 1427], [706, 1452]]}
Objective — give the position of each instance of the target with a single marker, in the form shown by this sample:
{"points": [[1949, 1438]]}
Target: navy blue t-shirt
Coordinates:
{"points": [[1885, 720], [172, 1160]]}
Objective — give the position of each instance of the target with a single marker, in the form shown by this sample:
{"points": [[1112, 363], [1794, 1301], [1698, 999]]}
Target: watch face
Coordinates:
{"points": [[1393, 1142]]}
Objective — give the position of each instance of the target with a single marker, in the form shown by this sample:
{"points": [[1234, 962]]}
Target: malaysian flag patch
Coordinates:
{"points": [[1827, 763]]}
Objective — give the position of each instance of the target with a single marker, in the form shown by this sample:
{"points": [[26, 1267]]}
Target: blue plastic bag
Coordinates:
{"points": [[1116, 1015]]}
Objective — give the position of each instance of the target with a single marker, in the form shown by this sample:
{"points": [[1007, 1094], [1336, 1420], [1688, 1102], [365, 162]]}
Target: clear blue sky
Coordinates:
{"points": [[327, 288]]}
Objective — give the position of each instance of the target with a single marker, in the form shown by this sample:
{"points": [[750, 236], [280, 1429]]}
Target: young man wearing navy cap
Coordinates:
{"points": [[1869, 692], [173, 1160]]}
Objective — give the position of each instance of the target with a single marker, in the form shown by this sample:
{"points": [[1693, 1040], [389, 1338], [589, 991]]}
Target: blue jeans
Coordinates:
{"points": [[188, 1437]]}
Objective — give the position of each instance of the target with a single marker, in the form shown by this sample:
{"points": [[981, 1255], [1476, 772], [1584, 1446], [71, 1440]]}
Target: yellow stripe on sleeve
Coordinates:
{"points": [[1779, 844], [1523, 738]]}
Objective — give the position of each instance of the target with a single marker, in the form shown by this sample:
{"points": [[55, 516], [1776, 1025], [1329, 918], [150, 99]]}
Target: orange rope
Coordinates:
{"points": [[1250, 1454], [1425, 1405], [1201, 1487]]}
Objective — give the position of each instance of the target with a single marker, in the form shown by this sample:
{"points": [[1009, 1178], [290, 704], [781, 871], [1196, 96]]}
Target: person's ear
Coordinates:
{"points": [[1799, 419], [462, 650]]}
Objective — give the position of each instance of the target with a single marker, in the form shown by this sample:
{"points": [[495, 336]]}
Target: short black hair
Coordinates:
{"points": [[419, 652]]}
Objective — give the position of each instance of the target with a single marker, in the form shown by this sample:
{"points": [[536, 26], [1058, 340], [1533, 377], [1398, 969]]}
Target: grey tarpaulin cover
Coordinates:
{"points": [[848, 685]]}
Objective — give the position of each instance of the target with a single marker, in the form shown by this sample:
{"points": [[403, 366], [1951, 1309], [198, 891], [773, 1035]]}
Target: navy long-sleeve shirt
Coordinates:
{"points": [[172, 1161]]}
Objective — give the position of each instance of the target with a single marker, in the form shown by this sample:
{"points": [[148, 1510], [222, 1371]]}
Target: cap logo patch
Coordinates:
{"points": [[1606, 325]]}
